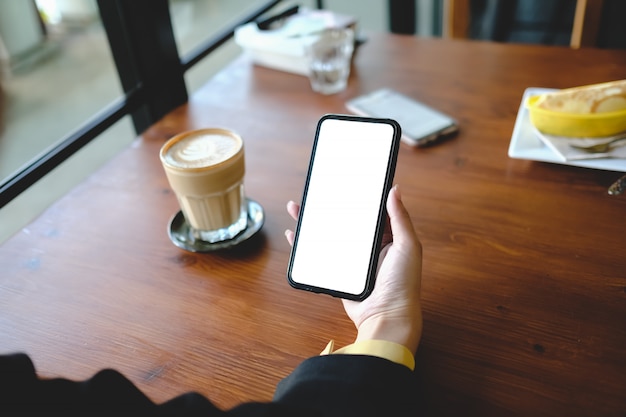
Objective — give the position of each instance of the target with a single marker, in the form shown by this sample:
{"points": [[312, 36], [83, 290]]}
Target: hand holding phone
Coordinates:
{"points": [[342, 216], [393, 310]]}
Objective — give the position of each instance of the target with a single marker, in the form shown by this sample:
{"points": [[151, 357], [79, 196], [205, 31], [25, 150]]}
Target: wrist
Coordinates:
{"points": [[404, 331]]}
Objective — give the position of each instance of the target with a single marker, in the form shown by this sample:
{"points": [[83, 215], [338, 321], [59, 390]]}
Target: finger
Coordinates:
{"points": [[289, 235], [401, 225], [293, 209]]}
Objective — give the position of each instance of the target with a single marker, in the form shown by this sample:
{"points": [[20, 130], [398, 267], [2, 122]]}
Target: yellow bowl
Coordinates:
{"points": [[575, 125]]}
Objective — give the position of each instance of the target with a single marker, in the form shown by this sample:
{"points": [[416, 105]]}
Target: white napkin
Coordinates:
{"points": [[561, 147]]}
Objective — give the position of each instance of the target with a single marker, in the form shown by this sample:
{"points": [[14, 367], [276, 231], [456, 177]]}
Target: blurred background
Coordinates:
{"points": [[58, 71]]}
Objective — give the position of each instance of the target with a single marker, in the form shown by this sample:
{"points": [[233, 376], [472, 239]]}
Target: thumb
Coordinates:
{"points": [[401, 225]]}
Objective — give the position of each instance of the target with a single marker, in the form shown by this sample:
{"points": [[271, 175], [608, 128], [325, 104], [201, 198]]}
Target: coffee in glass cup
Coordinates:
{"points": [[205, 168]]}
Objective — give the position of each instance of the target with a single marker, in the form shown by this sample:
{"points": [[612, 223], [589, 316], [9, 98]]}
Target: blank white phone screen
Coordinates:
{"points": [[345, 193]]}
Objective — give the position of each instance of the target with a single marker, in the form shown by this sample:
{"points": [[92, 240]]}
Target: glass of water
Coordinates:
{"points": [[329, 58]]}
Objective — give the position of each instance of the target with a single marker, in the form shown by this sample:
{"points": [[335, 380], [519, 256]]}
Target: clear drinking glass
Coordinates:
{"points": [[329, 58]]}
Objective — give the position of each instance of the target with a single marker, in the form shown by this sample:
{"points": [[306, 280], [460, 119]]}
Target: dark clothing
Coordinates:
{"points": [[333, 385]]}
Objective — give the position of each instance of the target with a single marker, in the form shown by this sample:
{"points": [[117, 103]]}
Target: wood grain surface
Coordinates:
{"points": [[524, 282]]}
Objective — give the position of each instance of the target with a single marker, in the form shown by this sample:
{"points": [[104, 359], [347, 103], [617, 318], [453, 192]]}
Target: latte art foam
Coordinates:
{"points": [[202, 150]]}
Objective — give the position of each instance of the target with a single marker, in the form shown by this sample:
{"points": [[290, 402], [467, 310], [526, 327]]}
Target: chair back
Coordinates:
{"points": [[585, 26]]}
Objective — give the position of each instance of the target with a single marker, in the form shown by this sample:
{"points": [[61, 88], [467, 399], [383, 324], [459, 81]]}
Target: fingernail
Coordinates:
{"points": [[397, 188]]}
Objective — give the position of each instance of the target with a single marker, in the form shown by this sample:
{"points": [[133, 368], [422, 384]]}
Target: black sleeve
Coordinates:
{"points": [[351, 385], [334, 385]]}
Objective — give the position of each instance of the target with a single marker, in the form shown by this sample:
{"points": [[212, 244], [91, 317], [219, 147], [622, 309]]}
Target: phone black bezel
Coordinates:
{"points": [[382, 212]]}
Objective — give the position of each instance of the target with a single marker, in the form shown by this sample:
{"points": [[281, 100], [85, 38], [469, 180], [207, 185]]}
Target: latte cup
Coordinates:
{"points": [[205, 169]]}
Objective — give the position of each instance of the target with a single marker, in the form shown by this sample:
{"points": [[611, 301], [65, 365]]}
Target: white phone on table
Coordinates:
{"points": [[342, 216], [421, 124]]}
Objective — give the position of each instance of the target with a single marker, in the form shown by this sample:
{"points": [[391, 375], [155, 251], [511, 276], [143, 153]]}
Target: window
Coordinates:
{"points": [[105, 90]]}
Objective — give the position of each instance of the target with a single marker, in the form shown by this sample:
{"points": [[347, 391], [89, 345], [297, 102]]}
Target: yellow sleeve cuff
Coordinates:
{"points": [[394, 352]]}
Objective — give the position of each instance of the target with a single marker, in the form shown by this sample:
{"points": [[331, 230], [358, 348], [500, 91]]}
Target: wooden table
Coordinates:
{"points": [[524, 284]]}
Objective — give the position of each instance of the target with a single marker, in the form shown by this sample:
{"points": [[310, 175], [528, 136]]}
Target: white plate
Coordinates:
{"points": [[525, 144]]}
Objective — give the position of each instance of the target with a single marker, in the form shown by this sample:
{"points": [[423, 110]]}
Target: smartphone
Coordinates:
{"points": [[421, 124], [342, 214]]}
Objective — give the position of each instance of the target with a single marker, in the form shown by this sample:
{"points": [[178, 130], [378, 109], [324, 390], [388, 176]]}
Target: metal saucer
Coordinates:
{"points": [[181, 236]]}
